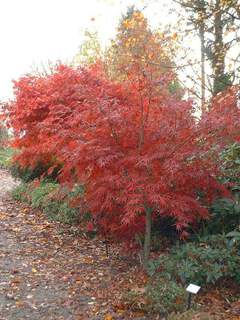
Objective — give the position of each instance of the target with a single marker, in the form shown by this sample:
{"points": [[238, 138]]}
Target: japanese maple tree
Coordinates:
{"points": [[140, 153]]}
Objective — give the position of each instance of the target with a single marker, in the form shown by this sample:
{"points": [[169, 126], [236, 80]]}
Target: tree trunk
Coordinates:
{"points": [[147, 238], [219, 52], [203, 82]]}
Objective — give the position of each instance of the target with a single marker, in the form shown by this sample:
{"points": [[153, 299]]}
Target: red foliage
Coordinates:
{"points": [[130, 149], [221, 124]]}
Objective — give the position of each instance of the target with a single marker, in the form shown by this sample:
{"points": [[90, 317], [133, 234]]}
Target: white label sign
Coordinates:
{"points": [[192, 288]]}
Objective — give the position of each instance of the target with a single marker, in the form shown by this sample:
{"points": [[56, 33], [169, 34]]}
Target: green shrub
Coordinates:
{"points": [[161, 296], [225, 212], [60, 211], [205, 262], [39, 193], [53, 200], [233, 239], [34, 195], [28, 174], [165, 296], [21, 193], [224, 217], [58, 205]]}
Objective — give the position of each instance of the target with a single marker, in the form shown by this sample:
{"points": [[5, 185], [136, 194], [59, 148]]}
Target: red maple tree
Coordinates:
{"points": [[138, 154]]}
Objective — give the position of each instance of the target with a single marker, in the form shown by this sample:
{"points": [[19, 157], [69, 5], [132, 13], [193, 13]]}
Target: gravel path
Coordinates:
{"points": [[48, 272], [25, 291]]}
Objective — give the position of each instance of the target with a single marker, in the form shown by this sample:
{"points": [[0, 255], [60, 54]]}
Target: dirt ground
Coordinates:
{"points": [[47, 272]]}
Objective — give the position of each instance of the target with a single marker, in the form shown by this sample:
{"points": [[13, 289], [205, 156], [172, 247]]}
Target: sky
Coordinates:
{"points": [[33, 32]]}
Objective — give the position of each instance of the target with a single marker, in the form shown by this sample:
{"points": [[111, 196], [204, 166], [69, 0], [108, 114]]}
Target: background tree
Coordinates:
{"points": [[138, 50], [218, 25], [90, 50]]}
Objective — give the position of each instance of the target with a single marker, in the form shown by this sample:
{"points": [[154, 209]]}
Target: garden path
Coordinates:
{"points": [[49, 272]]}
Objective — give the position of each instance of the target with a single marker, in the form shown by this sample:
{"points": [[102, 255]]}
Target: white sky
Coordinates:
{"points": [[33, 32]]}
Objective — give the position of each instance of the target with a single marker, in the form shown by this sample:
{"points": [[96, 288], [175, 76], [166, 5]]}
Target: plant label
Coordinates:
{"points": [[192, 288]]}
